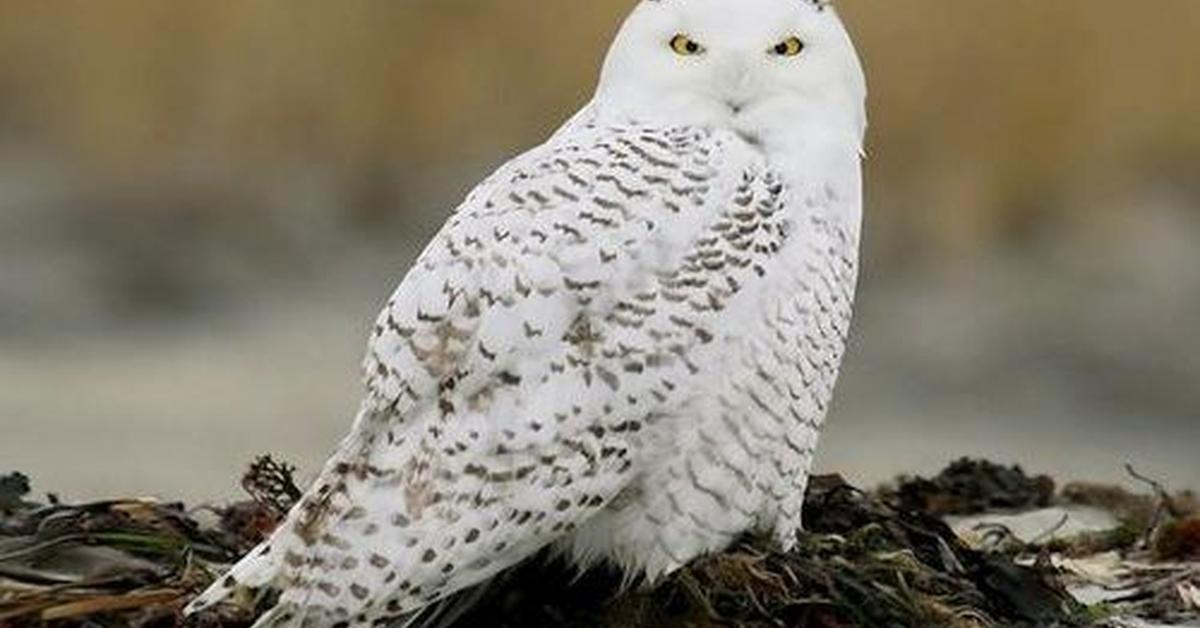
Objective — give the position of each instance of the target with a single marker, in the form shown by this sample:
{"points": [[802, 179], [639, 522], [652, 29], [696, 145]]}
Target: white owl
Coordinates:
{"points": [[622, 344]]}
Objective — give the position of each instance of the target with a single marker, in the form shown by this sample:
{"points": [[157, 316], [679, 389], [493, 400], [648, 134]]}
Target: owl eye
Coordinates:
{"points": [[685, 46], [789, 47]]}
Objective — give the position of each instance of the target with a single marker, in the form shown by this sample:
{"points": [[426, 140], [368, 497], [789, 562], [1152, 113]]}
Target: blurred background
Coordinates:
{"points": [[203, 205]]}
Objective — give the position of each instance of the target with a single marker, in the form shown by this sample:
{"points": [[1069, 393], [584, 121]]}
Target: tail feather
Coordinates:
{"points": [[278, 616], [446, 612], [255, 570]]}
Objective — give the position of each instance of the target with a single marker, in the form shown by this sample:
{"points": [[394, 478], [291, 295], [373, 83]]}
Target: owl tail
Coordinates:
{"points": [[256, 570]]}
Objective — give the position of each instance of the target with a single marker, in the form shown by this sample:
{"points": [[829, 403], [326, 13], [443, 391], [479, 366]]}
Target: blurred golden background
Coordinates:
{"points": [[202, 204]]}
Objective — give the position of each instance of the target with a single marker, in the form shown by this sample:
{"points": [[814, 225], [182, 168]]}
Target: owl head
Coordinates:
{"points": [[759, 66]]}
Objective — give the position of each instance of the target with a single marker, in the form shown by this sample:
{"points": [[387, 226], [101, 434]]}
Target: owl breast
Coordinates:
{"points": [[769, 289]]}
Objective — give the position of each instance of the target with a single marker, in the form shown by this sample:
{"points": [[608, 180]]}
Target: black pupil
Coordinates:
{"points": [[782, 48], [691, 46]]}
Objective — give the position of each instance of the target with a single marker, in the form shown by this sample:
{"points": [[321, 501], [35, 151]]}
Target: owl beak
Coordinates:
{"points": [[737, 82]]}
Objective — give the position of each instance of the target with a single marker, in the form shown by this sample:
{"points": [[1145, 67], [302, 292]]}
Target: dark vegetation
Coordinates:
{"points": [[882, 559]]}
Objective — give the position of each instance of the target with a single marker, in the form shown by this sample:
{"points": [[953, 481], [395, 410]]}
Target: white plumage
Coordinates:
{"points": [[623, 343]]}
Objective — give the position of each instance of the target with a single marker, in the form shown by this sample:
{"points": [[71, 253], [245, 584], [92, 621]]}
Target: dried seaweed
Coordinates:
{"points": [[860, 563], [869, 560], [970, 487]]}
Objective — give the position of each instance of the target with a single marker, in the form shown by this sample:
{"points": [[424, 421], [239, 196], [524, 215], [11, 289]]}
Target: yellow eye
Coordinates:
{"points": [[685, 46], [789, 47]]}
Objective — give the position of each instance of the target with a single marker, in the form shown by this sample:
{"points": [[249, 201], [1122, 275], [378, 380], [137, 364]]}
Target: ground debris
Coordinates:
{"points": [[273, 491], [1178, 541], [860, 563], [969, 487], [14, 487], [272, 483], [869, 560], [125, 562]]}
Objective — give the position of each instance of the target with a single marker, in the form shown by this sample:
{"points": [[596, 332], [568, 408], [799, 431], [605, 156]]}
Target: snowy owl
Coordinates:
{"points": [[622, 344]]}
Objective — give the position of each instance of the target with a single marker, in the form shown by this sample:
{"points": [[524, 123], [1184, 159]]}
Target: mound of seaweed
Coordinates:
{"points": [[859, 563], [869, 560]]}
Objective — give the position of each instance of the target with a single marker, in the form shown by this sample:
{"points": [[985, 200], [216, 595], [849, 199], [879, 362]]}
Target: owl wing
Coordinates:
{"points": [[510, 372]]}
